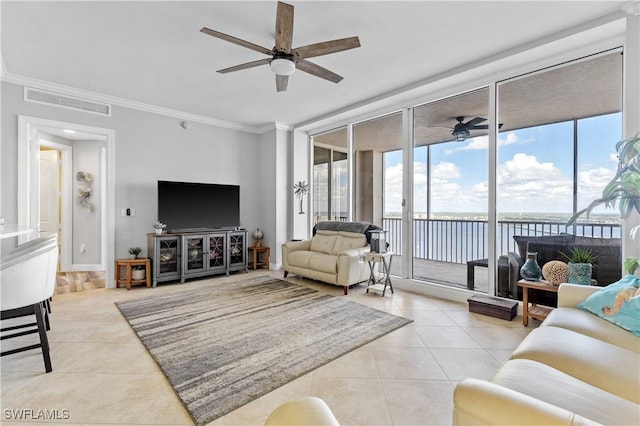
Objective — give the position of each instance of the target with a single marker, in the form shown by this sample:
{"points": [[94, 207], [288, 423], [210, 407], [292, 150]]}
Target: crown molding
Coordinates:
{"points": [[3, 69], [126, 103], [276, 125], [632, 8]]}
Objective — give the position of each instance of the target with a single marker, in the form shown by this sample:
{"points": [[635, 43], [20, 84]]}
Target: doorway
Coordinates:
{"points": [[85, 154]]}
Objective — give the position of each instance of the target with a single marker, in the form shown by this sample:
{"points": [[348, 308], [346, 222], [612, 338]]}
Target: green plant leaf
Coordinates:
{"points": [[624, 187], [631, 264], [581, 255]]}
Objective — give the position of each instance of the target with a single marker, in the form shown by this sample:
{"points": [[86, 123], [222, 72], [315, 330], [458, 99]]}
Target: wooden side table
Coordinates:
{"points": [[533, 310], [255, 253], [128, 264]]}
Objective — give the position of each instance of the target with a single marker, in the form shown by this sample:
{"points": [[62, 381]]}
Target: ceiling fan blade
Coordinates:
{"points": [[327, 47], [235, 40], [474, 121], [284, 27], [318, 71], [252, 64], [281, 82], [483, 127]]}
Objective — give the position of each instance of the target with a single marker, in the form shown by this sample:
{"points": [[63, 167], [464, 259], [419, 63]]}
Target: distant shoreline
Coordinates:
{"points": [[612, 218]]}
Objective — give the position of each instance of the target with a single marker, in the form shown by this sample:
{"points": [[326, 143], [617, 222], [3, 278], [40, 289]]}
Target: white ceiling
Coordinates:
{"points": [[152, 52]]}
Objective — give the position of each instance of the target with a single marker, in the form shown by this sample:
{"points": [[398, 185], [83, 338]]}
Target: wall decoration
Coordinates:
{"points": [[84, 191], [300, 189]]}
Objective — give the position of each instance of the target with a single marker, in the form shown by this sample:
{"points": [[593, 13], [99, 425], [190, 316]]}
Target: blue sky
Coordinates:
{"points": [[535, 169]]}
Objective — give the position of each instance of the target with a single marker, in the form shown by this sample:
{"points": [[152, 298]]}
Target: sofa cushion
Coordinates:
{"points": [[324, 241], [590, 325], [324, 263], [590, 360], [559, 241], [348, 241], [562, 390], [618, 303], [300, 258]]}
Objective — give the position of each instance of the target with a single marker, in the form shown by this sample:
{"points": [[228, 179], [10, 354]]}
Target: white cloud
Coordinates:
{"points": [[482, 142], [393, 187], [511, 138], [445, 170], [524, 185], [524, 167]]}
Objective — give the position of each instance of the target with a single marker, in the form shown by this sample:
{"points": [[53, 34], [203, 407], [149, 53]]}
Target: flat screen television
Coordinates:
{"points": [[195, 207]]}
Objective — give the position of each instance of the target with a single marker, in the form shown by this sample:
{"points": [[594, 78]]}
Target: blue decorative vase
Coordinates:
{"points": [[531, 271]]}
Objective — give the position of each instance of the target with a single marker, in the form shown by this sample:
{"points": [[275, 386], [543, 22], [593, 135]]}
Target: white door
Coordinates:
{"points": [[50, 191]]}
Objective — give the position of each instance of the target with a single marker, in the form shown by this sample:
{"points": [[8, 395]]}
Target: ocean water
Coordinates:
{"points": [[460, 239]]}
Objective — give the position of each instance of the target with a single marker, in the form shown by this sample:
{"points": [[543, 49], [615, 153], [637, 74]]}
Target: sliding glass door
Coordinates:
{"points": [[377, 145], [556, 152], [330, 176], [450, 191], [556, 131]]}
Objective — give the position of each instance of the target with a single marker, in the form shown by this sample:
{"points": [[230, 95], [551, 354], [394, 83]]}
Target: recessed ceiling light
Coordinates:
{"points": [[69, 131]]}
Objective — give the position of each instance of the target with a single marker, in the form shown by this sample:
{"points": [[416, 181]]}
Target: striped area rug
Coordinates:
{"points": [[225, 345]]}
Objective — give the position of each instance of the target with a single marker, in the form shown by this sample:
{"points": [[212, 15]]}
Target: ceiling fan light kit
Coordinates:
{"points": [[285, 59], [461, 135], [282, 66]]}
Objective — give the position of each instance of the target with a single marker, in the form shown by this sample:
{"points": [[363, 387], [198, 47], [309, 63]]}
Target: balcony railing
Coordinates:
{"points": [[459, 241]]}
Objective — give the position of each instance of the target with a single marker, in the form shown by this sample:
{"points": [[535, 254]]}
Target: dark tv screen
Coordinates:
{"points": [[186, 206]]}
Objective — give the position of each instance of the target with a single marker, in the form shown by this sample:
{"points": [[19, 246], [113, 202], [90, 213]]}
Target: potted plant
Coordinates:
{"points": [[623, 189], [138, 272], [159, 227], [134, 252], [581, 264], [301, 189]]}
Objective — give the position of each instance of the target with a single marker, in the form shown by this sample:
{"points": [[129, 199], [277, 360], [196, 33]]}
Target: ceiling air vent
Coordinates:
{"points": [[49, 98]]}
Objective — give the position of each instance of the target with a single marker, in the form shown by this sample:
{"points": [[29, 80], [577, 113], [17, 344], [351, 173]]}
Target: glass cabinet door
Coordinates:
{"points": [[168, 263], [216, 254], [237, 249], [193, 253]]}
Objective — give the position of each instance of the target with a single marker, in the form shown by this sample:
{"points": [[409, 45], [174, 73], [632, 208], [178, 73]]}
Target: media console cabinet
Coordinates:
{"points": [[189, 255]]}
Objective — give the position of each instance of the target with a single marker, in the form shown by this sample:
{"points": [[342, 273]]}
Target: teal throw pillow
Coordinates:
{"points": [[618, 303]]}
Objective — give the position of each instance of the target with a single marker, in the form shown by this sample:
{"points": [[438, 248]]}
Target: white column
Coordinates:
{"points": [[301, 170], [274, 190], [631, 112]]}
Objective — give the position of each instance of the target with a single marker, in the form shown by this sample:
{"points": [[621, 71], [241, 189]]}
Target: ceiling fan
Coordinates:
{"points": [[283, 59], [461, 131]]}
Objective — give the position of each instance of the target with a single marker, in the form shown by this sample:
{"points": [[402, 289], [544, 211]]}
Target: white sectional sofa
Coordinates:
{"points": [[334, 257], [575, 369]]}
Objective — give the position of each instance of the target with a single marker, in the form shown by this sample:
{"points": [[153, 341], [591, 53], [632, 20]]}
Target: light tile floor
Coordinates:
{"points": [[102, 374]]}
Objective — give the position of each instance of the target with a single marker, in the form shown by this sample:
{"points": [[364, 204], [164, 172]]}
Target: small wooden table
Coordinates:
{"points": [[266, 257], [128, 264], [533, 310]]}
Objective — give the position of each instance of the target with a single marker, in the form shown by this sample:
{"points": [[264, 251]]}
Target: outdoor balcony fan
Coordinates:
{"points": [[461, 131]]}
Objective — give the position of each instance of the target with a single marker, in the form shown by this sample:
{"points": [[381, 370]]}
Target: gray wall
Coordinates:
{"points": [[148, 147], [86, 223]]}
